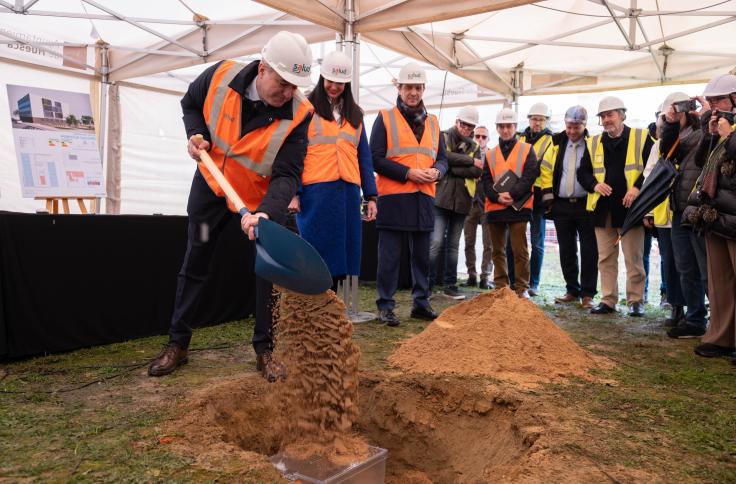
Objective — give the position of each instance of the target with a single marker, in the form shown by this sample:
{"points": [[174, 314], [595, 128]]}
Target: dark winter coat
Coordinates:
{"points": [[452, 194], [687, 170], [716, 215]]}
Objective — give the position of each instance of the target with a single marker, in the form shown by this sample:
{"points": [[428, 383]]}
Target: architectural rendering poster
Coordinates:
{"points": [[55, 143]]}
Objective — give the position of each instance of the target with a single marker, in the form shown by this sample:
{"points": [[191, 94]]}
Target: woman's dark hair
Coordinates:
{"points": [[349, 111]]}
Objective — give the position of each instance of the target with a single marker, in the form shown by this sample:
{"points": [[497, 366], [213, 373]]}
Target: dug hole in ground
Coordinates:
{"points": [[466, 400]]}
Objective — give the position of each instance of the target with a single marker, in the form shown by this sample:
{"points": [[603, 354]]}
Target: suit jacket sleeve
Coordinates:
{"points": [[192, 104], [585, 172], [487, 181], [365, 163], [441, 162]]}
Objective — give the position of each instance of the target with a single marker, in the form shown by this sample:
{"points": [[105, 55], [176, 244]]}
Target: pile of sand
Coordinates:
{"points": [[498, 335], [320, 394]]}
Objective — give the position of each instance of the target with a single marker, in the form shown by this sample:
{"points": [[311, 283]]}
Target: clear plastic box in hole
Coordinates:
{"points": [[319, 470]]}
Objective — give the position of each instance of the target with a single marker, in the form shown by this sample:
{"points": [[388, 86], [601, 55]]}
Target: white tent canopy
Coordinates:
{"points": [[476, 51]]}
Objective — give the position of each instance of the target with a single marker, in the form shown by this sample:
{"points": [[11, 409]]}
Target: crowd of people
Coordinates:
{"points": [[307, 162]]}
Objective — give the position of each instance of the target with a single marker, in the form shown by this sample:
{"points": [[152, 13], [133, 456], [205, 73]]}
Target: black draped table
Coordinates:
{"points": [[73, 281]]}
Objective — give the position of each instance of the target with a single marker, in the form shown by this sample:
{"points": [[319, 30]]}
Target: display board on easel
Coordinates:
{"points": [[56, 146]]}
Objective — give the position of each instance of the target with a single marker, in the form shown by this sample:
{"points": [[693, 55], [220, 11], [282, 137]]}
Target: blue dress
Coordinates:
{"points": [[330, 217]]}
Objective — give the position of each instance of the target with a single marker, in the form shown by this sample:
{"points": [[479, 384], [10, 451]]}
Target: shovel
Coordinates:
{"points": [[282, 257]]}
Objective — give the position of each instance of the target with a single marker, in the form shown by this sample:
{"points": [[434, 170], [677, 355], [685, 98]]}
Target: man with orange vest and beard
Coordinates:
{"points": [[509, 212], [253, 121], [409, 157]]}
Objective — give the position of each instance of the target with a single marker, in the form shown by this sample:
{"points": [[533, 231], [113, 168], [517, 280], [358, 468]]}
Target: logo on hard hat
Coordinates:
{"points": [[340, 71], [414, 75], [299, 68]]}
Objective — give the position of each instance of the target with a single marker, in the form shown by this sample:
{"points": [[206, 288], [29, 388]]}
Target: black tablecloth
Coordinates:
{"points": [[73, 281], [70, 281]]}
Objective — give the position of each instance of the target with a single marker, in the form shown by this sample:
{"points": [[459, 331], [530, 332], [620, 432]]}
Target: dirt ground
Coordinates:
{"points": [[657, 413], [436, 429], [455, 408]]}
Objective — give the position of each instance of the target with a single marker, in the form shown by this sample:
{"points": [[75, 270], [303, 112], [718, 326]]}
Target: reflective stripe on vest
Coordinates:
{"points": [[245, 160], [332, 153], [495, 159], [396, 148], [540, 148], [402, 147], [633, 167], [274, 144]]}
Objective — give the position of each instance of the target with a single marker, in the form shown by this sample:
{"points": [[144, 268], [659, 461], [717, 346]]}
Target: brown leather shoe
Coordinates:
{"points": [[171, 358], [567, 298], [270, 369], [587, 303]]}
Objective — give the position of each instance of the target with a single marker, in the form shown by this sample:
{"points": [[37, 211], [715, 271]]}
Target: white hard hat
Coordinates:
{"points": [[412, 73], [675, 97], [722, 85], [576, 114], [609, 103], [469, 114], [538, 109], [337, 67], [506, 116], [290, 56]]}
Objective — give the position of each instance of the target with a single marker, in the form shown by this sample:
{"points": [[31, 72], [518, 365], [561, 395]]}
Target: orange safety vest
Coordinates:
{"points": [[332, 153], [498, 166], [402, 147], [245, 161]]}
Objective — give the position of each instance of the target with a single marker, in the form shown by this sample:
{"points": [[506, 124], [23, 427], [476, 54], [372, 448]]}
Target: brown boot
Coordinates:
{"points": [[169, 360], [271, 369], [587, 302], [567, 298]]}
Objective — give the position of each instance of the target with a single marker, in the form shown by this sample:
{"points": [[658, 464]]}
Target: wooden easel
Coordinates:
{"points": [[52, 204]]}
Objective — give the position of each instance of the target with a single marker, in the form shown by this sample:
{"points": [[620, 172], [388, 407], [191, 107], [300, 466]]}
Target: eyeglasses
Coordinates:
{"points": [[481, 136], [715, 99], [465, 125]]}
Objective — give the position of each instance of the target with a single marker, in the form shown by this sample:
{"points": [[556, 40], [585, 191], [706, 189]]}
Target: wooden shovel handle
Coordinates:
{"points": [[230, 192]]}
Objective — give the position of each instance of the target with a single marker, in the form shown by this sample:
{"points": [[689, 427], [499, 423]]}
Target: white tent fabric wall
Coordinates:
{"points": [[156, 170], [561, 46]]}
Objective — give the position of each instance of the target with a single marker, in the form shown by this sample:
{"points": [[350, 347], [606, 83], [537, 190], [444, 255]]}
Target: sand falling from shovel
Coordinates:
{"points": [[318, 399]]}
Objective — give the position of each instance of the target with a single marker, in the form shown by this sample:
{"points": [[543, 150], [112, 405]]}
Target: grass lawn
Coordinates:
{"points": [[669, 413]]}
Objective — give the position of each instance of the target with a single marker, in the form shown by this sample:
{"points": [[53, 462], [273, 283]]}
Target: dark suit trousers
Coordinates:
{"points": [[208, 216], [573, 222]]}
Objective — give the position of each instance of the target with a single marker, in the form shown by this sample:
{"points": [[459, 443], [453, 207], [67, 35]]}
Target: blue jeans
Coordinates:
{"points": [[538, 229], [685, 247], [444, 246], [670, 276]]}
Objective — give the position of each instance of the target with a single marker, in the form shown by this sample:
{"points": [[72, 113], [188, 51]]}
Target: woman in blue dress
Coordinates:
{"points": [[337, 166]]}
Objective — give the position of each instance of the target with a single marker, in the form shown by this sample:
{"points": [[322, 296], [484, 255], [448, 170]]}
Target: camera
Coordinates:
{"points": [[730, 117], [685, 106]]}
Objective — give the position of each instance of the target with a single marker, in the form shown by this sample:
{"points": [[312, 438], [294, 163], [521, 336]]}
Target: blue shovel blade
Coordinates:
{"points": [[287, 260]]}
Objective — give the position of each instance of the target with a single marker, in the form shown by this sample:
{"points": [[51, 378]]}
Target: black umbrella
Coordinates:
{"points": [[654, 191]]}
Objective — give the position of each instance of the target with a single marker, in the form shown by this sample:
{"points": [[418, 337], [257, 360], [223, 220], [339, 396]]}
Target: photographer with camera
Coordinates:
{"points": [[711, 210], [681, 127]]}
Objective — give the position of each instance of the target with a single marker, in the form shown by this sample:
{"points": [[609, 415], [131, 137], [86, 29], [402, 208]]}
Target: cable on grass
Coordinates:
{"points": [[127, 369]]}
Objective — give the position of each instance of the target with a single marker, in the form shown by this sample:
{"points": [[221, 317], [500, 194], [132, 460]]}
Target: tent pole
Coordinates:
{"points": [[104, 80], [348, 43], [517, 83]]}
